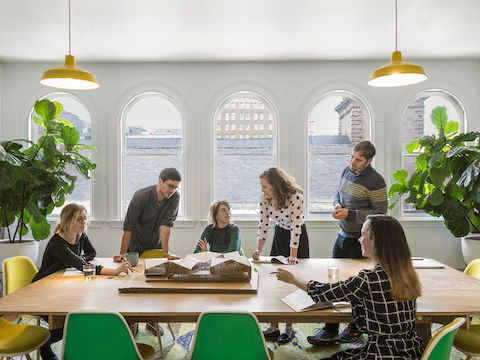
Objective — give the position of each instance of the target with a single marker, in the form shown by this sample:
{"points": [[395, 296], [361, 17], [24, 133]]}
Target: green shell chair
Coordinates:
{"points": [[229, 335], [100, 335], [440, 345]]}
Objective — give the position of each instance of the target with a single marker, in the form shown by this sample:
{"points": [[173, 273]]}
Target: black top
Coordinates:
{"points": [[59, 254]]}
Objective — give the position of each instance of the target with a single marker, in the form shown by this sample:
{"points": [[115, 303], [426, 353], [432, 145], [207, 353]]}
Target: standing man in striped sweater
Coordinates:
{"points": [[362, 192]]}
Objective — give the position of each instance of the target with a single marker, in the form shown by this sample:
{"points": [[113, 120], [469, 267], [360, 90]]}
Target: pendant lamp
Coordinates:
{"points": [[397, 72], [69, 76]]}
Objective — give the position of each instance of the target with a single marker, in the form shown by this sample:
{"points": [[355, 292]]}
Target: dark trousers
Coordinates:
{"points": [[281, 243], [345, 247], [55, 335]]}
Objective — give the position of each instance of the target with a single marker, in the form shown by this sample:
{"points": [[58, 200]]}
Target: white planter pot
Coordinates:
{"points": [[471, 247], [28, 248]]}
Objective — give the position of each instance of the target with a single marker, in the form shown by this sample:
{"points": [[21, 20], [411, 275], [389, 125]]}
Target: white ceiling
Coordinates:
{"points": [[248, 30]]}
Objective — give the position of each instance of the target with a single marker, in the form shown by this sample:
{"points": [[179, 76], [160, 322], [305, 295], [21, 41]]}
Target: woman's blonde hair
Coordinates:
{"points": [[283, 185], [212, 215], [391, 249], [68, 216]]}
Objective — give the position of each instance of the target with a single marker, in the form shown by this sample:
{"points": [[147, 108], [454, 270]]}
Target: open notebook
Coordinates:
{"points": [[300, 301]]}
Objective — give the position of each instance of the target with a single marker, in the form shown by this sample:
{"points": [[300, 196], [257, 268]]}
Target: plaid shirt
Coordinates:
{"points": [[388, 323]]}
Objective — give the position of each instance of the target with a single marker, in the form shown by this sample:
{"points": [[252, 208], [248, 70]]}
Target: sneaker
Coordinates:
{"points": [[47, 353], [286, 336], [350, 334], [271, 334], [322, 337]]}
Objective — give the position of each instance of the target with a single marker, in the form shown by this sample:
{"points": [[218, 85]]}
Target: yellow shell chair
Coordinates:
{"points": [[151, 254], [468, 340], [19, 339], [18, 272]]}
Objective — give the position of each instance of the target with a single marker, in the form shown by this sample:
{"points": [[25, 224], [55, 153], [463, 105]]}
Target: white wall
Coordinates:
{"points": [[198, 88]]}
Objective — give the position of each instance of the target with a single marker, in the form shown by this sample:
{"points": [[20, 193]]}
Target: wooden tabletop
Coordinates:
{"points": [[446, 292]]}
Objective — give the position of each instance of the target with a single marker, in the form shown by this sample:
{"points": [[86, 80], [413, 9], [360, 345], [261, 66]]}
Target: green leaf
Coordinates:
{"points": [[39, 122], [8, 176], [40, 230], [470, 174], [70, 137], [50, 149], [413, 145], [438, 175], [462, 138], [451, 127], [64, 122], [396, 188], [439, 118], [58, 109], [453, 210], [422, 162], [426, 140], [436, 198], [401, 177], [45, 109], [476, 192], [458, 227]]}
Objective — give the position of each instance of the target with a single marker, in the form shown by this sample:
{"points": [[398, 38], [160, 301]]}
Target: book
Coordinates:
{"points": [[300, 301], [423, 263], [280, 259]]}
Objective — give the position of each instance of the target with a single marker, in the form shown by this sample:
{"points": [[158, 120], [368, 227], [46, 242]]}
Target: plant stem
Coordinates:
{"points": [[8, 228], [471, 223]]}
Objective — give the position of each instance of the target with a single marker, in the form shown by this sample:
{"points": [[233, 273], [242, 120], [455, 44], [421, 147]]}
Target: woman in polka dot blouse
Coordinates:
{"points": [[282, 201]]}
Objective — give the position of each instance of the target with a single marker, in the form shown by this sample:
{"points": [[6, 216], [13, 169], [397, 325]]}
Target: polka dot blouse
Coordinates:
{"points": [[288, 218]]}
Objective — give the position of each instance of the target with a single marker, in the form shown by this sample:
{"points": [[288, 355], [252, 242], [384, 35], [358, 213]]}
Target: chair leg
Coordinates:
{"points": [[159, 336], [171, 331], [38, 350], [28, 356]]}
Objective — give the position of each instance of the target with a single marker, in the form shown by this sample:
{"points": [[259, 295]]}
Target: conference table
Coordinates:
{"points": [[447, 293]]}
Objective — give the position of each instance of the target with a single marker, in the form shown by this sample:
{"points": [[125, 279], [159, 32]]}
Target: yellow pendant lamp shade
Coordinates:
{"points": [[397, 73], [69, 77]]}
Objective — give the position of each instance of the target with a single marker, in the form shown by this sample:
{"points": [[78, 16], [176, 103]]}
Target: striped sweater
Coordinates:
{"points": [[362, 194]]}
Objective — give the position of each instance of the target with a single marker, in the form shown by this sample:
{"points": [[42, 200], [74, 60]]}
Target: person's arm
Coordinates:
{"points": [[262, 228], [62, 251], [124, 246], [165, 237], [89, 252], [205, 236], [235, 243], [290, 278], [356, 287], [124, 267]]}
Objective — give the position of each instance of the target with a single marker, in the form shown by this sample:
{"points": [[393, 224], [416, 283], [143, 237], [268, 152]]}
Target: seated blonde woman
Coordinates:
{"points": [[219, 235]]}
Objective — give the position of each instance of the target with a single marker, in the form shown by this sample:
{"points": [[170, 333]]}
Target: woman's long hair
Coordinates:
{"points": [[391, 250], [68, 216], [283, 185], [212, 215]]}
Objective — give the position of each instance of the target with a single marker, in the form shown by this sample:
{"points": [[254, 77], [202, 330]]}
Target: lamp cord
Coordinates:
{"points": [[396, 25], [69, 30]]}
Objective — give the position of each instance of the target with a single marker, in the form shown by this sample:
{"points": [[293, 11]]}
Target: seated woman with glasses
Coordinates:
{"points": [[70, 247], [383, 299], [219, 235]]}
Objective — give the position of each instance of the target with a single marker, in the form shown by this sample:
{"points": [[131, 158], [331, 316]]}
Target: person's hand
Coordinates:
{"points": [[119, 257], [285, 275], [203, 244], [256, 255], [172, 256], [292, 260], [340, 214], [124, 267]]}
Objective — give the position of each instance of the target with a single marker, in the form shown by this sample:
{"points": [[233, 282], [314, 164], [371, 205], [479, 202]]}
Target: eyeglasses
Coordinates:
{"points": [[171, 186]]}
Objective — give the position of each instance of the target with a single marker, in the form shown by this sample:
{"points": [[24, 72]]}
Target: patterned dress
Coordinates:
{"points": [[388, 323]]}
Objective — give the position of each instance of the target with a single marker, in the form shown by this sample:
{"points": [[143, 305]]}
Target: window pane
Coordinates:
{"points": [[142, 171], [238, 181], [336, 123], [75, 112], [324, 178], [153, 128], [239, 149]]}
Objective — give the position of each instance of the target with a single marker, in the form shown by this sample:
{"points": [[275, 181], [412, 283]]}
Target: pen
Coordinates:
{"points": [[250, 248]]}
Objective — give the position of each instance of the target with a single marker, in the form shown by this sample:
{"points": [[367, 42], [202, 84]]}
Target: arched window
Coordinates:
{"points": [[337, 121], [77, 113], [152, 128], [416, 123], [244, 148]]}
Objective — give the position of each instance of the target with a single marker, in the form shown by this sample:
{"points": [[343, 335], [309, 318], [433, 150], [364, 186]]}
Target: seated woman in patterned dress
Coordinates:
{"points": [[220, 235], [383, 299]]}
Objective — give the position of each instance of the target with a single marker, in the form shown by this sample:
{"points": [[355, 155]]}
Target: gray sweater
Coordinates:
{"points": [[363, 194], [145, 215]]}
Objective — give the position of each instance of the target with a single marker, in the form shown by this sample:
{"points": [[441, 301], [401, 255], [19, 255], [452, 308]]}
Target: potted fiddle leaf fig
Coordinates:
{"points": [[36, 176], [446, 179]]}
